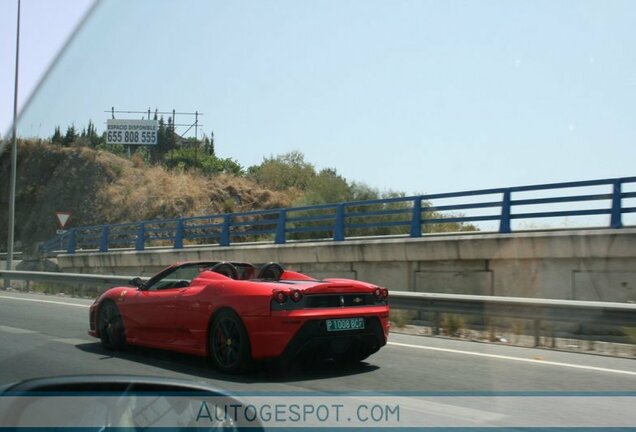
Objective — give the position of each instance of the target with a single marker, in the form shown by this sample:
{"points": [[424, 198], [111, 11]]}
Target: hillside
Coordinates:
{"points": [[100, 187]]}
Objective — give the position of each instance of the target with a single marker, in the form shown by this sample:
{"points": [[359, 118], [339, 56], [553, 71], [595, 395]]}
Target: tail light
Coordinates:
{"points": [[280, 296], [287, 299], [381, 293], [295, 295]]}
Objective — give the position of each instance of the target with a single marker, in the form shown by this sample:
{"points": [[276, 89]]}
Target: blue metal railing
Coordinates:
{"points": [[408, 216]]}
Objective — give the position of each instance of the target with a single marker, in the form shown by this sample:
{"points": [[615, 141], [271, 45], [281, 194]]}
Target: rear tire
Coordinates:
{"points": [[229, 343], [111, 327]]}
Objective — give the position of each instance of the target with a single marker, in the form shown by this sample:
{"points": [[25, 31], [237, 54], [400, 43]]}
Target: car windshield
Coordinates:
{"points": [[444, 190]]}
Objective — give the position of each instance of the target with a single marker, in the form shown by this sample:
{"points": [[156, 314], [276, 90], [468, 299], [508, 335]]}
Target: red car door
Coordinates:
{"points": [[152, 315], [192, 317], [153, 310]]}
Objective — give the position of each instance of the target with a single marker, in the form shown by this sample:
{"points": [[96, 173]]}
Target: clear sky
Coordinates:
{"points": [[45, 26], [416, 96]]}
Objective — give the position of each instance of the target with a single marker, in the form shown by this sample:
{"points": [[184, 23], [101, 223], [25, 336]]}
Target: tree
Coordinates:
{"points": [[327, 187], [57, 137], [165, 141], [362, 192], [283, 172], [189, 159], [91, 134], [70, 137], [170, 136]]}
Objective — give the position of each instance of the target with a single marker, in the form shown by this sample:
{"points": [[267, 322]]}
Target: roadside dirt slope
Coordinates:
{"points": [[99, 187]]}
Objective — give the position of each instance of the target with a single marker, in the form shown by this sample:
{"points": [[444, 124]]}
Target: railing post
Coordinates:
{"points": [[225, 230], [338, 230], [70, 247], [178, 236], [504, 225], [103, 242], [616, 215], [280, 227], [436, 323], [140, 241], [416, 218]]}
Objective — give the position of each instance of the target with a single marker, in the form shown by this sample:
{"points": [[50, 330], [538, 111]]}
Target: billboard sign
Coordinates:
{"points": [[135, 132]]}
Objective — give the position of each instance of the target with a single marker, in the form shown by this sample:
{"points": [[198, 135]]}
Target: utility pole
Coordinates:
{"points": [[196, 141], [14, 157]]}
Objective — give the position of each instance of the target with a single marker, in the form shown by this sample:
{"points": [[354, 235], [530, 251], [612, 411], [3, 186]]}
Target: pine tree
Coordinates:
{"points": [[171, 142], [70, 137], [158, 151], [57, 136]]}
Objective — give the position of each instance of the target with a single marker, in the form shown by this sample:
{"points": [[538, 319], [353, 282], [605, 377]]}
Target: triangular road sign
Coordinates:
{"points": [[62, 218]]}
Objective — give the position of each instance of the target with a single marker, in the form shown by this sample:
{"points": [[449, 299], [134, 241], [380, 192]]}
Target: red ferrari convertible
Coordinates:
{"points": [[236, 313]]}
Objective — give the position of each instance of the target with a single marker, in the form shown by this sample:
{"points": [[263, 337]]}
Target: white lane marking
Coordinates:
{"points": [[15, 330], [520, 359], [45, 301], [72, 341]]}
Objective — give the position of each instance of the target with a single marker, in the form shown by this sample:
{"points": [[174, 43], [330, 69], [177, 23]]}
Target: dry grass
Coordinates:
{"points": [[155, 193]]}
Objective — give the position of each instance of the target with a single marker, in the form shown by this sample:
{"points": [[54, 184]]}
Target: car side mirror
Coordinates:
{"points": [[137, 282]]}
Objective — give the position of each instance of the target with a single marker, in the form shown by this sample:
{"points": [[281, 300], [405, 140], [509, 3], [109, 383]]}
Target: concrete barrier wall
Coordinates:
{"points": [[581, 264]]}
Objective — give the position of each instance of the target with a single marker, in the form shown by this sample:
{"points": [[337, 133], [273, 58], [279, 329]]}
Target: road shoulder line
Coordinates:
{"points": [[519, 359]]}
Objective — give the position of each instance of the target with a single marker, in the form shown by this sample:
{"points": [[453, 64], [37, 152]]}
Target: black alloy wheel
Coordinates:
{"points": [[111, 327], [229, 343]]}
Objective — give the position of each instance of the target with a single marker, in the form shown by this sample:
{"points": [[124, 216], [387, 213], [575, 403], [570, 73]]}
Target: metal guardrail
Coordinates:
{"points": [[16, 255], [407, 216], [537, 310], [64, 278]]}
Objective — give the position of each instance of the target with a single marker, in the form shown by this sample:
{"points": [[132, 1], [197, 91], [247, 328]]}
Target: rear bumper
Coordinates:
{"points": [[314, 341], [294, 333]]}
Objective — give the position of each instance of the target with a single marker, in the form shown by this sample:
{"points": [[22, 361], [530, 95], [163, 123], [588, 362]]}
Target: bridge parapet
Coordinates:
{"points": [[597, 265]]}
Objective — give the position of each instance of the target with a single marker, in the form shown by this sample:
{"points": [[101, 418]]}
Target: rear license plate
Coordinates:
{"points": [[345, 324]]}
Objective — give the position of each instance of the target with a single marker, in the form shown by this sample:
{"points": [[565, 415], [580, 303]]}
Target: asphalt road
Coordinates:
{"points": [[43, 336], [46, 336]]}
